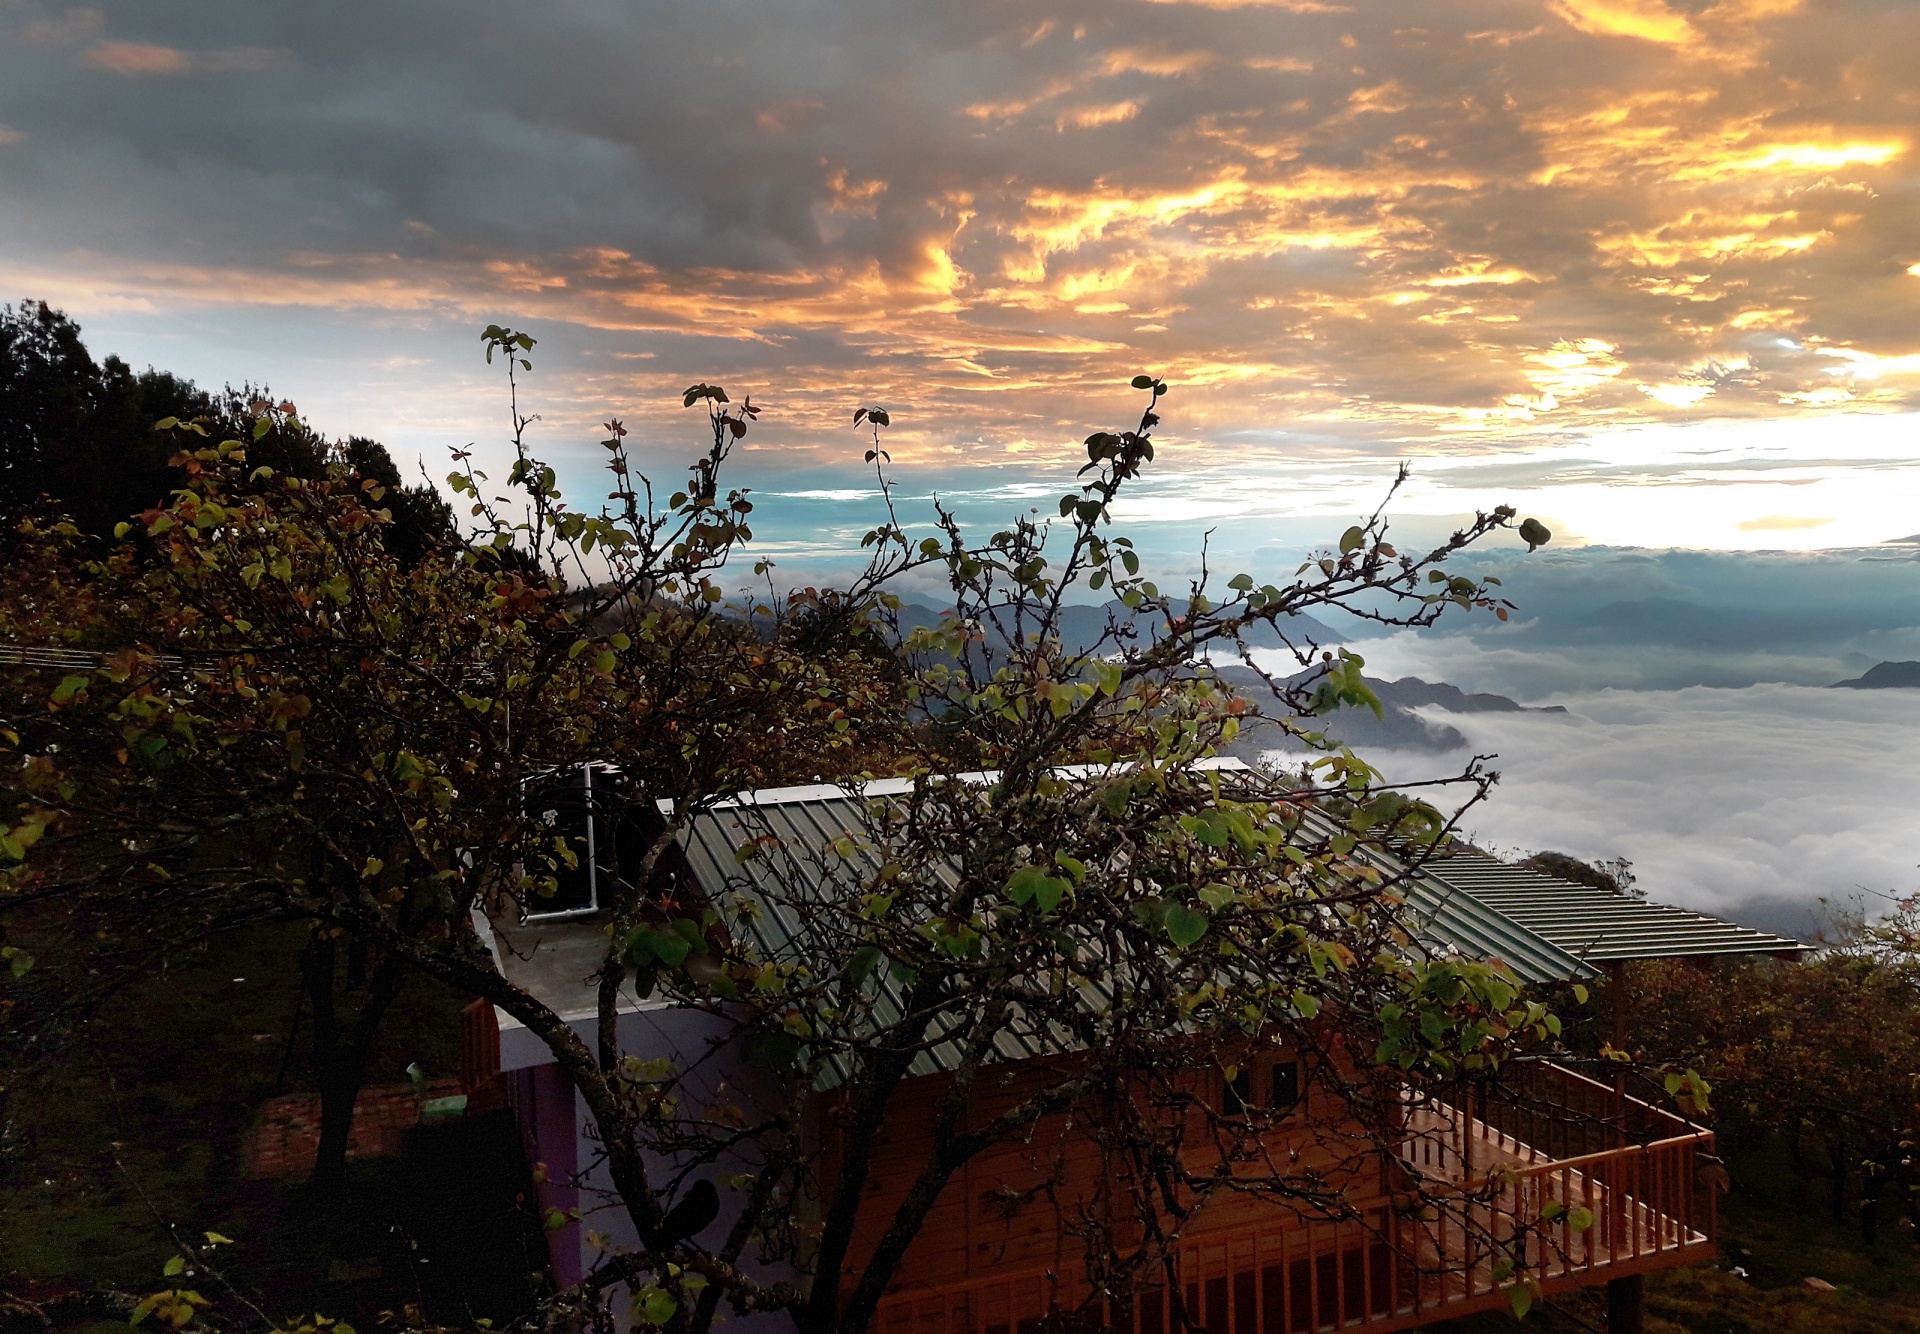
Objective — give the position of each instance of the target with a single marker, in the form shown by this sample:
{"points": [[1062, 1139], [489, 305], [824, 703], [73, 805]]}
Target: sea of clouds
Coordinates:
{"points": [[1753, 803], [1703, 738]]}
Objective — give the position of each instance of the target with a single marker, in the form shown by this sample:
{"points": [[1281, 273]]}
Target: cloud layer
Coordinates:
{"points": [[1595, 619], [1753, 803], [1496, 223]]}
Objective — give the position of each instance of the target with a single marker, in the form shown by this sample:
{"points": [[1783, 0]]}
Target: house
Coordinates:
{"points": [[1584, 1184]]}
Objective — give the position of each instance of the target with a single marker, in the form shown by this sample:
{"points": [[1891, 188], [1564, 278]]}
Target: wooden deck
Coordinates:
{"points": [[1501, 1209]]}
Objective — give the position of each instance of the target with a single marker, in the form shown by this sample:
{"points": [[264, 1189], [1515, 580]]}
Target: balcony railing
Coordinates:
{"points": [[1556, 1180]]}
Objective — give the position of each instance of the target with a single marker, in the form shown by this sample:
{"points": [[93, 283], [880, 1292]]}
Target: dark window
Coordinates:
{"points": [[1286, 1085], [1239, 1092]]}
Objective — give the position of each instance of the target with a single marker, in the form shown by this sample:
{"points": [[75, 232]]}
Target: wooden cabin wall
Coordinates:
{"points": [[1016, 1205]]}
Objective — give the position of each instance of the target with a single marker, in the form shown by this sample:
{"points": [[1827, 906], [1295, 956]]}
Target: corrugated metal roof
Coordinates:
{"points": [[1448, 922], [1542, 928], [796, 828], [1591, 924]]}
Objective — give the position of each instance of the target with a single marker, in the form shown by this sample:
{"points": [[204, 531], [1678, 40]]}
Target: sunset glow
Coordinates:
{"points": [[1368, 232]]}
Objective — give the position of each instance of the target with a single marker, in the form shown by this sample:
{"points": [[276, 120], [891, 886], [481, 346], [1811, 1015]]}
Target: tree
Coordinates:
{"points": [[76, 429], [286, 710], [1614, 875], [1820, 1055], [79, 435]]}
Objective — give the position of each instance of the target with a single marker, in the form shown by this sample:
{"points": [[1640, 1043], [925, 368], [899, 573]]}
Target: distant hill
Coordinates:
{"points": [[1885, 676], [1082, 625], [1397, 728]]}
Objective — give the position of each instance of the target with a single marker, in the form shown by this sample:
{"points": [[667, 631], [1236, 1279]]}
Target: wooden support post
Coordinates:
{"points": [[1617, 1039], [1617, 1002], [1626, 1305]]}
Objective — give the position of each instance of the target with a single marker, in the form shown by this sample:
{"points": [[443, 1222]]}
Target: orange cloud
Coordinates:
{"points": [[1087, 118], [135, 58], [1342, 228], [1649, 20]]}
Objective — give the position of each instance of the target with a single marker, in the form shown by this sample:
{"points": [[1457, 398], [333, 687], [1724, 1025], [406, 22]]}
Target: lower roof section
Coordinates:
{"points": [[1593, 924]]}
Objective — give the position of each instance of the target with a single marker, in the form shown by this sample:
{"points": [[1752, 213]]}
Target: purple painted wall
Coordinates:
{"points": [[543, 1105]]}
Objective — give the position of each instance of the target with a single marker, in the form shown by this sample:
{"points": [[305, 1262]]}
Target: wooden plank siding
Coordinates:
{"points": [[1016, 1205], [1255, 1267]]}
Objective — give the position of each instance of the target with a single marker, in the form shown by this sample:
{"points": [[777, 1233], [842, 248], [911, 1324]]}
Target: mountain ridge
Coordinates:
{"points": [[1398, 726], [1884, 676]]}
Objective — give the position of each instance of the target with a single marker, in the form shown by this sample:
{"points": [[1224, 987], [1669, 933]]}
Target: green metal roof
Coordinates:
{"points": [[795, 827], [1592, 924], [1542, 927]]}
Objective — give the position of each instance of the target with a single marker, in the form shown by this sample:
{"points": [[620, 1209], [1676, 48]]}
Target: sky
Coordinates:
{"points": [[1648, 270]]}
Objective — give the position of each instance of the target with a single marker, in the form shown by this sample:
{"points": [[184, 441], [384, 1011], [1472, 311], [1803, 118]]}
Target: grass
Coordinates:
{"points": [[140, 1125]]}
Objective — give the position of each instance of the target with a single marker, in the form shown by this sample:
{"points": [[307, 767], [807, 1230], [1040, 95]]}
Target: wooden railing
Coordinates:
{"points": [[1495, 1209], [1537, 1112]]}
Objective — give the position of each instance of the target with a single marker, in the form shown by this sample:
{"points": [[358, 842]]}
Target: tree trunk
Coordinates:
{"points": [[1873, 1184], [340, 1057], [1839, 1164]]}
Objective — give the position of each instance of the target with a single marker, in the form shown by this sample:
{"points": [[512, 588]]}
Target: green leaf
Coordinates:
{"points": [[1535, 534], [175, 1265], [657, 1306], [1031, 885], [1522, 1299], [1184, 925], [1351, 539], [69, 687], [1579, 1218], [1579, 993], [215, 1239], [670, 948], [1142, 382], [865, 959]]}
